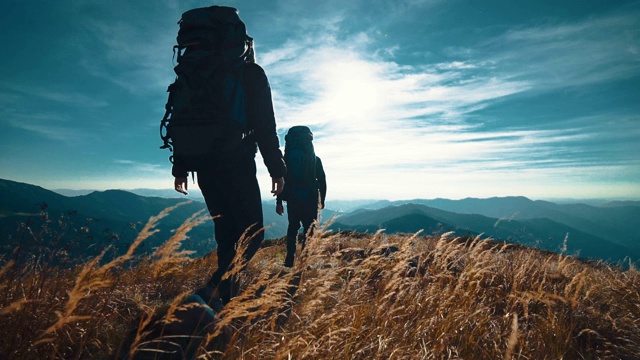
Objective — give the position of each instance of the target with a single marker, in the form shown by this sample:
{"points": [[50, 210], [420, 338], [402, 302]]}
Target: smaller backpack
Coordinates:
{"points": [[300, 158], [205, 115]]}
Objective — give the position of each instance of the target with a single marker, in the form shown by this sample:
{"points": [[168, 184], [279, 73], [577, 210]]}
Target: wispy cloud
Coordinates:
{"points": [[58, 133], [369, 112], [571, 54], [37, 111], [133, 53], [141, 168], [31, 94], [50, 125], [373, 114]]}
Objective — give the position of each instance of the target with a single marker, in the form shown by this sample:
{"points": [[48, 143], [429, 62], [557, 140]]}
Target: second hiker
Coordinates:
{"points": [[305, 189]]}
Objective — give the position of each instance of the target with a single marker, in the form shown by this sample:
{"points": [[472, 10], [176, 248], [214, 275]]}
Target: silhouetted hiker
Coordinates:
{"points": [[218, 114], [305, 180]]}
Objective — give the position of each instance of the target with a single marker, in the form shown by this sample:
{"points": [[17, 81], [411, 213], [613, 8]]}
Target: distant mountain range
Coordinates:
{"points": [[195, 194], [112, 217], [604, 232], [607, 231], [615, 221]]}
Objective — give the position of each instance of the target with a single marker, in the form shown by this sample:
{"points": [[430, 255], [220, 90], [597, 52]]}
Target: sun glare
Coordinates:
{"points": [[351, 90]]}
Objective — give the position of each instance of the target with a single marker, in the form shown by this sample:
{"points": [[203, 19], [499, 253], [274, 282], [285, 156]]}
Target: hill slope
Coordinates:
{"points": [[349, 296]]}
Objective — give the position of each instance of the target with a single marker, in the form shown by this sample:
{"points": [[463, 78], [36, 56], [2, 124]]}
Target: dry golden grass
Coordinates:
{"points": [[349, 296]]}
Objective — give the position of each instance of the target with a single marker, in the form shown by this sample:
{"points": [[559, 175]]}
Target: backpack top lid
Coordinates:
{"points": [[297, 133], [215, 27]]}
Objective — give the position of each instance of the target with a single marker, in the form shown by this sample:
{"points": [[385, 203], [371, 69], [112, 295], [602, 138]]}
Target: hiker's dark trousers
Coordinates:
{"points": [[233, 199], [299, 213]]}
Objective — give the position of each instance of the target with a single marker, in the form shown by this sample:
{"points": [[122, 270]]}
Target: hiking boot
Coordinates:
{"points": [[211, 297], [216, 304]]}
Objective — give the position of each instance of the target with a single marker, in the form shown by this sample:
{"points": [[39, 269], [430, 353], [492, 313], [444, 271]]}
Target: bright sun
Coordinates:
{"points": [[351, 90]]}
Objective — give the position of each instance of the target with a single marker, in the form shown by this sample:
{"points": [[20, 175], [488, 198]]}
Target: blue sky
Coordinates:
{"points": [[407, 99]]}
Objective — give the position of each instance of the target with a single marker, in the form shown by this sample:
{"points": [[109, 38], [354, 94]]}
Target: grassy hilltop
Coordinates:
{"points": [[349, 296]]}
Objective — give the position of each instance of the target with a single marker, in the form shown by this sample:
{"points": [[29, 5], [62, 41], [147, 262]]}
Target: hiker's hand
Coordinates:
{"points": [[180, 184], [279, 209], [321, 205], [277, 185]]}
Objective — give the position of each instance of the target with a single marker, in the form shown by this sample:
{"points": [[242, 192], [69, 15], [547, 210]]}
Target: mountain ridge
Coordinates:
{"points": [[110, 218], [614, 222], [593, 230], [542, 233]]}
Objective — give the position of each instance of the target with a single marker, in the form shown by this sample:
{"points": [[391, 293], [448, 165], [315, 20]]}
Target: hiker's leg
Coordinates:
{"points": [[293, 215], [232, 192], [226, 254], [309, 217], [225, 233], [211, 183], [246, 206]]}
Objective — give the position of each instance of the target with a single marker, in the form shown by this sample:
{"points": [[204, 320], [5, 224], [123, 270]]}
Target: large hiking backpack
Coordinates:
{"points": [[300, 158], [205, 115]]}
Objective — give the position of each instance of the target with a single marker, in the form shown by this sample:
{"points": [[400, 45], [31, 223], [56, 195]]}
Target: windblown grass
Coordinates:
{"points": [[85, 312], [349, 296]]}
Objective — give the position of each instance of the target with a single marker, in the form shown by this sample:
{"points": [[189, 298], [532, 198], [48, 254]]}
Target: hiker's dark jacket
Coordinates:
{"points": [[320, 185], [261, 124], [229, 184]]}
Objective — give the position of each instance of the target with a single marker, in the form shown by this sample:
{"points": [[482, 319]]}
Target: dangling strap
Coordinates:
{"points": [[164, 134]]}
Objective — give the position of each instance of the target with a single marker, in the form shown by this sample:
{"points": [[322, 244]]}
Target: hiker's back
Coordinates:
{"points": [[299, 155], [206, 116]]}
